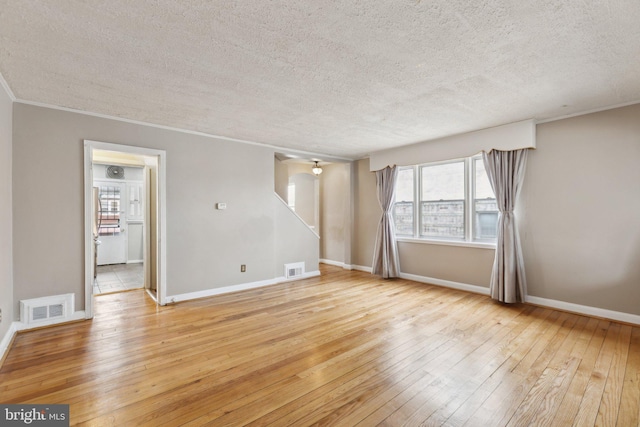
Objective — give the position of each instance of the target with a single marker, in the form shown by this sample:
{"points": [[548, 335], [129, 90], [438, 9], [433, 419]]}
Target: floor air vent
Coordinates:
{"points": [[296, 269], [40, 310]]}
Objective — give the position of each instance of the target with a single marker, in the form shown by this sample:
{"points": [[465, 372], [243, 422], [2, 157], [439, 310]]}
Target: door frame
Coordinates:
{"points": [[161, 257]]}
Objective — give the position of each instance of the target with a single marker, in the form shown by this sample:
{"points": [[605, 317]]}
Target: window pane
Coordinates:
{"points": [[443, 182], [109, 213], [403, 207], [483, 187], [442, 201], [485, 207]]}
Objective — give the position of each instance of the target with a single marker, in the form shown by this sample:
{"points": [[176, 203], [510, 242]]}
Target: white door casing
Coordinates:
{"points": [[157, 161]]}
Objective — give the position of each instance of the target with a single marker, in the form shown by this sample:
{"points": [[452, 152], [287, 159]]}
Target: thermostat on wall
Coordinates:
{"points": [[221, 206]]}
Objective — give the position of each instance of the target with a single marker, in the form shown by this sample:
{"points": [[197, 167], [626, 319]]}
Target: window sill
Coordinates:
{"points": [[477, 245]]}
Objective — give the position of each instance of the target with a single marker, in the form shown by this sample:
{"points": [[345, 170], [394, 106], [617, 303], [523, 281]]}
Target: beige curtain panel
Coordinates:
{"points": [[385, 255], [505, 170]]}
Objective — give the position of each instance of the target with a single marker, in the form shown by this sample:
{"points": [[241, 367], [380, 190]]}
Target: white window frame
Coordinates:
{"points": [[469, 208]]}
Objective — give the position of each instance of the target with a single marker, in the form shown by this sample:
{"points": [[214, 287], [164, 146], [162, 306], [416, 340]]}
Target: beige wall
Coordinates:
{"points": [[334, 187], [306, 198], [205, 246], [453, 263], [580, 210], [6, 204], [294, 168], [578, 217], [294, 241], [367, 214], [281, 179]]}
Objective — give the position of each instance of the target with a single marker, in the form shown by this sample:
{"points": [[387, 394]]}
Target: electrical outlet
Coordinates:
{"points": [[243, 268]]}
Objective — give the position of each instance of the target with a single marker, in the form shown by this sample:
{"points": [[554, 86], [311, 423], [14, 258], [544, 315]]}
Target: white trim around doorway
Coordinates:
{"points": [[161, 155]]}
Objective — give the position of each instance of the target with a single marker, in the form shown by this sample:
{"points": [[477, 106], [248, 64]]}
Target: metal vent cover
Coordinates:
{"points": [[115, 172], [41, 310], [294, 270]]}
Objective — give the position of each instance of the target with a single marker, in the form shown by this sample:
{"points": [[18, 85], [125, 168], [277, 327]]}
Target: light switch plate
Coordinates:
{"points": [[221, 206]]}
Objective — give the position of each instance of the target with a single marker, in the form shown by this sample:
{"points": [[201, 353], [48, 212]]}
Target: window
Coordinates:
{"points": [[442, 200], [403, 207], [485, 208], [446, 201], [109, 213]]}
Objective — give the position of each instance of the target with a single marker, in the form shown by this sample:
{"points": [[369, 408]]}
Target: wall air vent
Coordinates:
{"points": [[294, 270], [40, 310], [115, 172]]}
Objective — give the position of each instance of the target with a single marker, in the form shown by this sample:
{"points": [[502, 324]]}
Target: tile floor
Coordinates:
{"points": [[118, 278]]}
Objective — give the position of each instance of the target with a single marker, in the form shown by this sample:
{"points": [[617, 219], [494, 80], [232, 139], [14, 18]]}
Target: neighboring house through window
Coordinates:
{"points": [[455, 202]]}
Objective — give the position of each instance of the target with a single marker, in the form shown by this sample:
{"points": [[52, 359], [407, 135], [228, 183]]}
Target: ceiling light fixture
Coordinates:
{"points": [[316, 169]]}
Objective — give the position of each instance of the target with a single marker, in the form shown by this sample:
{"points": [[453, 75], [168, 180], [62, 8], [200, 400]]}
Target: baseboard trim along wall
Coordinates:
{"points": [[584, 309], [17, 326], [542, 302], [346, 266], [334, 263], [446, 283], [7, 340], [235, 288]]}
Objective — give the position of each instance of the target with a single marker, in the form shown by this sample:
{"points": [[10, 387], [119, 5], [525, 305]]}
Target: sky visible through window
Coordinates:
{"points": [[483, 187], [443, 182]]}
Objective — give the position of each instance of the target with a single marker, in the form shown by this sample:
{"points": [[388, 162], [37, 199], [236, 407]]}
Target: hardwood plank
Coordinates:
{"points": [[629, 414], [345, 348], [610, 402], [593, 394]]}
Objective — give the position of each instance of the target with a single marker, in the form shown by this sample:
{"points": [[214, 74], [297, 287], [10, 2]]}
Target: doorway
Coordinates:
{"points": [[124, 220], [119, 231]]}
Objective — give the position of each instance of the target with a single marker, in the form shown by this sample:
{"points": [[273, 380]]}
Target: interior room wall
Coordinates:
{"points": [[306, 201], [295, 168], [579, 211], [306, 198], [281, 178], [367, 214], [205, 246], [334, 185], [6, 213], [294, 242], [460, 264]]}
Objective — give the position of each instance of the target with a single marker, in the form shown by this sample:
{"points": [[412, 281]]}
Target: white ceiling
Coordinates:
{"points": [[344, 78]]}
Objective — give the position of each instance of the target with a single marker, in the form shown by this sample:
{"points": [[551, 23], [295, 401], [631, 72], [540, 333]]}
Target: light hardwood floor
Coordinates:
{"points": [[343, 349]]}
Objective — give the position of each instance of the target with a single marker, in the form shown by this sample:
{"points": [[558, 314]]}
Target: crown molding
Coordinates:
{"points": [[324, 156], [582, 113]]}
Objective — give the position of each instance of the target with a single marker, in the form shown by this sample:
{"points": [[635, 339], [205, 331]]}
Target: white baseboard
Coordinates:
{"points": [[235, 288], [6, 340], [135, 261], [336, 263], [331, 262], [446, 283], [346, 266], [543, 302], [361, 268], [585, 309]]}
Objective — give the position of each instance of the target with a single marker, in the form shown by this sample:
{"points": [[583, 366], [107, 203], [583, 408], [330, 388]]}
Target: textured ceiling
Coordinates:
{"points": [[338, 77]]}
